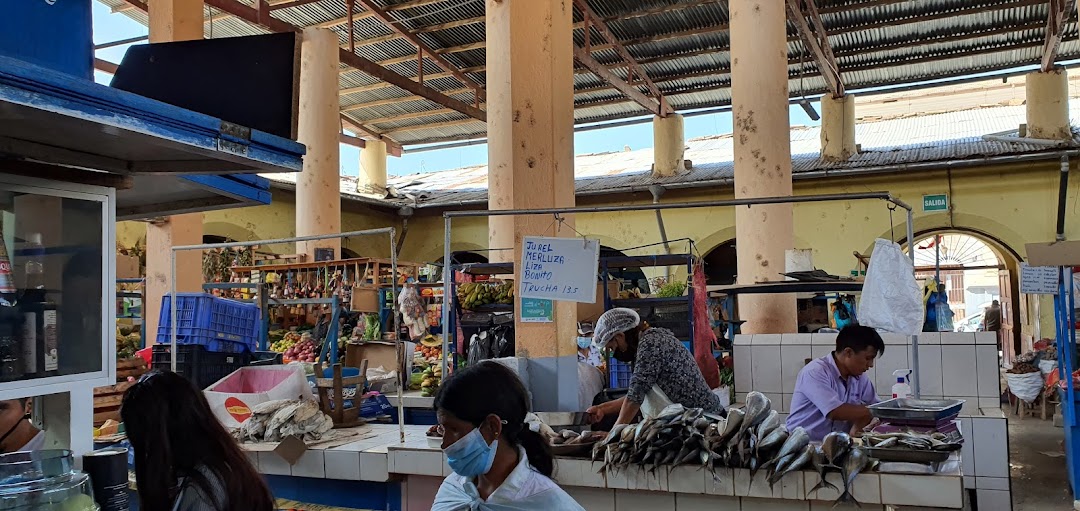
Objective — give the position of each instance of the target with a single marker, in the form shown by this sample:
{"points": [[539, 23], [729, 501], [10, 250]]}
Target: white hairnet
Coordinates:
{"points": [[613, 322]]}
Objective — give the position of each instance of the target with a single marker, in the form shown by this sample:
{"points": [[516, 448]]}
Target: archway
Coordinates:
{"points": [[721, 264]]}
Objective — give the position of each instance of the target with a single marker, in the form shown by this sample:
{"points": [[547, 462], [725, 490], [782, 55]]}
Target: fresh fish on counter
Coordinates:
{"points": [[835, 445], [797, 440], [792, 463], [916, 441], [856, 461], [757, 408], [771, 422], [819, 463]]}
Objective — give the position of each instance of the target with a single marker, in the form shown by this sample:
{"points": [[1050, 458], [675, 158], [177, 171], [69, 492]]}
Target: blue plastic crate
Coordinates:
{"points": [[619, 374], [220, 324]]}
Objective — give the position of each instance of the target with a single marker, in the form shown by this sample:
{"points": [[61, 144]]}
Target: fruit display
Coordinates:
{"points": [[286, 341], [303, 351], [128, 341], [475, 294], [427, 366]]}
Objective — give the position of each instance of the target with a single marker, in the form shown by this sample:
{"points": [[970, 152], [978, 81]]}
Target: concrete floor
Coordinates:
{"points": [[1038, 481]]}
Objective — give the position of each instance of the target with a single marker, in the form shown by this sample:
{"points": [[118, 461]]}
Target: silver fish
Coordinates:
{"points": [[796, 442], [774, 439], [856, 461], [757, 407], [794, 463], [734, 422], [614, 435], [835, 445], [818, 461], [771, 421]]}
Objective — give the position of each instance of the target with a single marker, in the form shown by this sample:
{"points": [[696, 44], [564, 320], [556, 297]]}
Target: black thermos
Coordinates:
{"points": [[108, 471]]}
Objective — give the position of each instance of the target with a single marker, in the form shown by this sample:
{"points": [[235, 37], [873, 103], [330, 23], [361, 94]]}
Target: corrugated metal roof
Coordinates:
{"points": [[920, 139], [683, 45]]}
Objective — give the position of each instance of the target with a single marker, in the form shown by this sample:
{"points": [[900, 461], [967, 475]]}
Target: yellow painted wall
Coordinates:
{"points": [[1006, 205]]}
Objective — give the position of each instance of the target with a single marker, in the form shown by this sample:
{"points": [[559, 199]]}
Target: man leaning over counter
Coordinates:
{"points": [[833, 393]]}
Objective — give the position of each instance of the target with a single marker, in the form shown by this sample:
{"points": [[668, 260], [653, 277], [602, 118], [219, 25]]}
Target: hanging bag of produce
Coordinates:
{"points": [[891, 300]]}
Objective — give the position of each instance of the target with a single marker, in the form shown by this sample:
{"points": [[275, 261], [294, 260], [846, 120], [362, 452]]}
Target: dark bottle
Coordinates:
{"points": [[11, 367], [37, 337]]}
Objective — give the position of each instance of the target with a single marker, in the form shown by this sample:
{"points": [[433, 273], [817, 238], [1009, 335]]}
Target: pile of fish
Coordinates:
{"points": [[914, 441], [272, 421], [751, 437]]}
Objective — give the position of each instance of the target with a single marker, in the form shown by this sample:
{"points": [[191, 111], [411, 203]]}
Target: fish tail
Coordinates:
{"points": [[846, 498]]}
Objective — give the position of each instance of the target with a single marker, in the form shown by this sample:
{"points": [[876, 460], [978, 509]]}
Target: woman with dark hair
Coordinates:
{"points": [[499, 463], [184, 458]]}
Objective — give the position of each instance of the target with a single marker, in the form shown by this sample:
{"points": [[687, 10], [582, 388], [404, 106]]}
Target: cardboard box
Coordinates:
{"points": [[378, 354], [592, 311], [365, 299], [127, 267], [232, 398]]}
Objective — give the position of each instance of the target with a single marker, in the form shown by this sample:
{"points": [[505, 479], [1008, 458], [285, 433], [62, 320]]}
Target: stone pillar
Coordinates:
{"points": [[530, 118], [759, 79], [837, 127], [669, 145], [1048, 105], [372, 179], [318, 187], [172, 20]]}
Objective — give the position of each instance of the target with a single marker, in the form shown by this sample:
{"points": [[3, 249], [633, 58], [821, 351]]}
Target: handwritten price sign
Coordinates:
{"points": [[559, 269]]}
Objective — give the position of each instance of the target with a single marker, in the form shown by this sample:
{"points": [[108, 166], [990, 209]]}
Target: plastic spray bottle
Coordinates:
{"points": [[901, 389]]}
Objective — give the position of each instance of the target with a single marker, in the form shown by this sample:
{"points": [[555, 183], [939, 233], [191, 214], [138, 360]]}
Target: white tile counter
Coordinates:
{"points": [[377, 455]]}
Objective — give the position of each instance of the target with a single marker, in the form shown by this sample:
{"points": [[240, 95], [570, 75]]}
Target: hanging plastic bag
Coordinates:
{"points": [[891, 299], [944, 315]]}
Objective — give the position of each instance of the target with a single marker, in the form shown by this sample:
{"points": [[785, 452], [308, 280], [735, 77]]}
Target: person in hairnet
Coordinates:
{"points": [[664, 370]]}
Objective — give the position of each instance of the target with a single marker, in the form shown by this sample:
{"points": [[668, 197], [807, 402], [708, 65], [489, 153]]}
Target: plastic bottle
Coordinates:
{"points": [[901, 389]]}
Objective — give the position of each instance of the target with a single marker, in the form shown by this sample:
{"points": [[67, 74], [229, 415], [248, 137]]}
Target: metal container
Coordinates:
{"points": [[907, 455], [901, 409]]}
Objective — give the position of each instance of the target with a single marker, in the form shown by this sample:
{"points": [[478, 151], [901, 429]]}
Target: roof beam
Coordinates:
{"points": [[816, 39], [1055, 28], [633, 68], [658, 107], [392, 147], [423, 50], [105, 66], [398, 100]]}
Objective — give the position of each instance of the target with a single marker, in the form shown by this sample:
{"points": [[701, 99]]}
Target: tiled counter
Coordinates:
{"points": [[418, 468]]}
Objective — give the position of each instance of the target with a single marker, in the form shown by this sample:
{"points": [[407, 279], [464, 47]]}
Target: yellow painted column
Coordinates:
{"points": [[530, 112], [669, 145], [372, 179], [759, 90], [318, 187], [838, 128], [172, 20], [1048, 105]]}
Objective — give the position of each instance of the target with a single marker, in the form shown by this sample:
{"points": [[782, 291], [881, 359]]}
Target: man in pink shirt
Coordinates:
{"points": [[833, 392]]}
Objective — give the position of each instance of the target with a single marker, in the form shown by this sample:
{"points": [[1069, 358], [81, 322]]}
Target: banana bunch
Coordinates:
{"points": [[475, 294]]}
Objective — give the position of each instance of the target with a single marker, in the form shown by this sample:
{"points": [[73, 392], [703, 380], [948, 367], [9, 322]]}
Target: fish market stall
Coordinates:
{"points": [[752, 461]]}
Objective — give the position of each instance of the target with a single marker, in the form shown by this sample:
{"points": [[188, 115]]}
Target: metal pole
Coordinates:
{"points": [[402, 377], [915, 388], [447, 276], [172, 301]]}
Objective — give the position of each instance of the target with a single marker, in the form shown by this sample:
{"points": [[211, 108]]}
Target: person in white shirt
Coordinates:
{"points": [[499, 463], [17, 433]]}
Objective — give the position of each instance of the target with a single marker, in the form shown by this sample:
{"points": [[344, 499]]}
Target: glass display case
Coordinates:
{"points": [[55, 306]]}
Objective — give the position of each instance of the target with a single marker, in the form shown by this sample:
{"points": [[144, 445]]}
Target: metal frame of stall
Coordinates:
{"points": [[449, 216], [1065, 323], [390, 231]]}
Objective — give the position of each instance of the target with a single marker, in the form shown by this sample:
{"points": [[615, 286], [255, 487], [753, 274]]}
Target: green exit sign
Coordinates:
{"points": [[935, 202]]}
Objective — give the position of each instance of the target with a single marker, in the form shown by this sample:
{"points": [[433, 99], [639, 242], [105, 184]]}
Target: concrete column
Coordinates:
{"points": [[1048, 105], [837, 128], [762, 158], [372, 179], [669, 145], [530, 119], [318, 187], [172, 20]]}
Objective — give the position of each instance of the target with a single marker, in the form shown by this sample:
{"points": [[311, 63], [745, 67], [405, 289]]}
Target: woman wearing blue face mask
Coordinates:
{"points": [[499, 463]]}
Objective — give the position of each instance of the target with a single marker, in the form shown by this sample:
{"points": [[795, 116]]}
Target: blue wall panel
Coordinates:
{"points": [[57, 34]]}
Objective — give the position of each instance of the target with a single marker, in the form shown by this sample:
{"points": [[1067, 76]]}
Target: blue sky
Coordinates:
{"points": [[110, 27]]}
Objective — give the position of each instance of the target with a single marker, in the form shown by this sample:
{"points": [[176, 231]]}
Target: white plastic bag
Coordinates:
{"points": [[1047, 366], [891, 299], [1025, 387]]}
